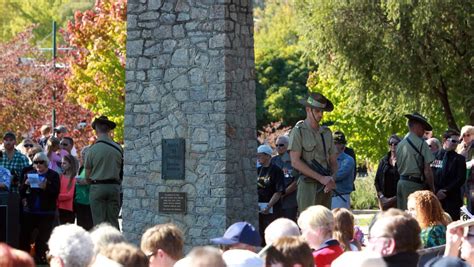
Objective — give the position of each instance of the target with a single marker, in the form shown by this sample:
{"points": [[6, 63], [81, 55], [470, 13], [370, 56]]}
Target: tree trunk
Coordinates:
{"points": [[442, 93]]}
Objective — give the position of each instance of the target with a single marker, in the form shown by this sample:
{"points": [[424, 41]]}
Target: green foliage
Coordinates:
{"points": [[364, 197], [393, 57], [97, 78], [16, 15], [281, 68], [281, 81]]}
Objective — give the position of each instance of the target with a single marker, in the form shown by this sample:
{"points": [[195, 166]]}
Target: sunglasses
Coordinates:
{"points": [[64, 144], [454, 141], [38, 162], [280, 145], [28, 145], [393, 143]]}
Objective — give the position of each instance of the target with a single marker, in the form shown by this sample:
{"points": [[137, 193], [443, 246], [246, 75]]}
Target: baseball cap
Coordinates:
{"points": [[239, 232], [339, 137], [266, 149], [9, 135]]}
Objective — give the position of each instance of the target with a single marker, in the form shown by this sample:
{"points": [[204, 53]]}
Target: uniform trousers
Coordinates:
{"points": [[105, 203], [311, 193], [404, 189]]}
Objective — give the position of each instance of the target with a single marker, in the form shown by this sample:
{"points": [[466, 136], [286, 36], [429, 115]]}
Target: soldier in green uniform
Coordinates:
{"points": [[103, 170], [310, 141], [413, 160]]}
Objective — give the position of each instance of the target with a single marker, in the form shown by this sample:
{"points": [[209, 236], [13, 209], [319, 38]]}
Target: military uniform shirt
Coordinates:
{"points": [[104, 161], [408, 160], [308, 141]]}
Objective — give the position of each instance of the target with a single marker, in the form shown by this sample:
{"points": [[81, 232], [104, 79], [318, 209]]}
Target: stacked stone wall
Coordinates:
{"points": [[190, 74]]}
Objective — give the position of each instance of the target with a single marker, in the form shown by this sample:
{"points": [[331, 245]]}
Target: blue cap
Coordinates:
{"points": [[240, 232]]}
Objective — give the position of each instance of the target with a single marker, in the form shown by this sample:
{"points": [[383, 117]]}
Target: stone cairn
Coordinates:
{"points": [[190, 75]]}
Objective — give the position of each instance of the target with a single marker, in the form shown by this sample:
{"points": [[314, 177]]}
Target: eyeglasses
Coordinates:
{"points": [[39, 162], [28, 145], [280, 145], [454, 141], [150, 254]]}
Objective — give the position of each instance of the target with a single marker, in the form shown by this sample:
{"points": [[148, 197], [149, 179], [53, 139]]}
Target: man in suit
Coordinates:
{"points": [[449, 171]]}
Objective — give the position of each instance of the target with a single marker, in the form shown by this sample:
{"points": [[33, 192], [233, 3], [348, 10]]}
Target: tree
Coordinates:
{"points": [[97, 65], [281, 67], [397, 56], [16, 15], [281, 82], [27, 82]]}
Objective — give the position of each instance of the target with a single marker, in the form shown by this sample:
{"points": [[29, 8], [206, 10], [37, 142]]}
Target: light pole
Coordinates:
{"points": [[54, 68]]}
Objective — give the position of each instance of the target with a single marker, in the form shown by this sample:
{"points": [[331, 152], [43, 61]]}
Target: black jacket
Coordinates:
{"points": [[451, 177], [42, 200], [383, 183]]}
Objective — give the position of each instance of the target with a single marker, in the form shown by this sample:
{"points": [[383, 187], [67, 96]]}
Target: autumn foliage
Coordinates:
{"points": [[27, 84], [97, 64]]}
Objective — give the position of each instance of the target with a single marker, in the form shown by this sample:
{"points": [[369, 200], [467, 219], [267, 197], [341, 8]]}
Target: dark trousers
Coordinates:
{"points": [[290, 213], [44, 225], [83, 215], [66, 216]]}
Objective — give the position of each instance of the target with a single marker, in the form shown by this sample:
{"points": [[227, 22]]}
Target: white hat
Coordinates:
{"points": [[266, 149], [241, 258]]}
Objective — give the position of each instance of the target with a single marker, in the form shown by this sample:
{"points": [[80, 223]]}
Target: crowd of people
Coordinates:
{"points": [[54, 187], [304, 190]]}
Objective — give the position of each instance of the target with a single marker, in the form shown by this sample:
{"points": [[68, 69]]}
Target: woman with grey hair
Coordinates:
{"points": [[387, 176], [70, 246], [39, 194]]}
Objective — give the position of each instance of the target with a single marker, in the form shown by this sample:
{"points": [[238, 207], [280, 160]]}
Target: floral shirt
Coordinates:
{"points": [[433, 236]]}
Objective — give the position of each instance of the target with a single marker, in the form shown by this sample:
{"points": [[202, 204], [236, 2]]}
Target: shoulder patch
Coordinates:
{"points": [[299, 124]]}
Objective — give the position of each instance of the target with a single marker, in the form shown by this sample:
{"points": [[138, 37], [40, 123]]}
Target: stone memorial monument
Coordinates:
{"points": [[190, 136]]}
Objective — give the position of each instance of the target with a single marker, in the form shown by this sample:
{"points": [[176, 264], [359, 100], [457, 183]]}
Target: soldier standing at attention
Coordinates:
{"points": [[103, 170], [413, 160], [310, 141]]}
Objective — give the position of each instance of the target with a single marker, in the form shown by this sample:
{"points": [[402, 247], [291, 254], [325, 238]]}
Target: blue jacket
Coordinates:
{"points": [[345, 173]]}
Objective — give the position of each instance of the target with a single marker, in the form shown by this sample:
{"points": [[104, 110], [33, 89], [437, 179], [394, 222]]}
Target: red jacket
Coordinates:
{"points": [[326, 253]]}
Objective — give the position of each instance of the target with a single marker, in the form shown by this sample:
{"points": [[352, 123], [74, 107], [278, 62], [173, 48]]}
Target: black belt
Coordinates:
{"points": [[106, 181], [412, 179]]}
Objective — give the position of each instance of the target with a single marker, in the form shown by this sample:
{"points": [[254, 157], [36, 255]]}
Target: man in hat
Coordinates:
{"points": [[413, 160], [345, 175], [240, 235], [12, 159], [310, 142], [270, 187], [103, 166], [349, 151]]}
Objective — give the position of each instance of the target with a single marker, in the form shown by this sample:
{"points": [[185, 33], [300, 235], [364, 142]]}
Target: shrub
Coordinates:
{"points": [[364, 197]]}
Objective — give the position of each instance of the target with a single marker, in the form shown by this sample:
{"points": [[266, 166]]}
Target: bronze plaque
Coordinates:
{"points": [[172, 158], [172, 202]]}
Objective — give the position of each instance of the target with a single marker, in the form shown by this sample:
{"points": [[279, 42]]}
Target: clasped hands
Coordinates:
{"points": [[329, 184]]}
